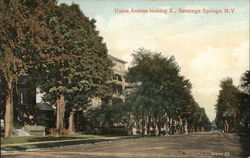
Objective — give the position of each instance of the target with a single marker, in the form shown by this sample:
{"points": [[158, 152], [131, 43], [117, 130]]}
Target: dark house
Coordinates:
{"points": [[24, 95], [26, 110]]}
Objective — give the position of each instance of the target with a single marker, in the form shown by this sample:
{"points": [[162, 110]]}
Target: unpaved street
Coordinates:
{"points": [[208, 145]]}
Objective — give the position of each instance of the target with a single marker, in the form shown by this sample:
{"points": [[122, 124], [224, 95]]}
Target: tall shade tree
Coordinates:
{"points": [[24, 42], [160, 88], [233, 111], [227, 106], [83, 73], [198, 119], [244, 100], [245, 81], [159, 93], [2, 95]]}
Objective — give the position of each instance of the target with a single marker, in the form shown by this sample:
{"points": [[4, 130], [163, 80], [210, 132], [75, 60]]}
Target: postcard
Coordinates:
{"points": [[125, 79]]}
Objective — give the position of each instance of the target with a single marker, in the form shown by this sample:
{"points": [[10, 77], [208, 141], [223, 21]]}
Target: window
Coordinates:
{"points": [[21, 100]]}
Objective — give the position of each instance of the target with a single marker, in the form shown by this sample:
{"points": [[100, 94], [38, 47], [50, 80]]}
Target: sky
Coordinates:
{"points": [[207, 46]]}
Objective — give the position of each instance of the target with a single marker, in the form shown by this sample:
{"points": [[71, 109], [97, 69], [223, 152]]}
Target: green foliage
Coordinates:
{"points": [[85, 69], [245, 82], [244, 100], [161, 82], [160, 89], [233, 104], [227, 103], [58, 46], [199, 118], [41, 119], [81, 68], [24, 43], [103, 114]]}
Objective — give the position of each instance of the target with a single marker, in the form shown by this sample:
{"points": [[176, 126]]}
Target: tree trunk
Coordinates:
{"points": [[8, 112], [59, 113], [159, 127], [58, 121], [167, 125], [170, 126], [71, 129], [148, 126], [226, 129], [186, 127], [143, 126], [62, 111], [108, 128], [100, 126], [154, 126]]}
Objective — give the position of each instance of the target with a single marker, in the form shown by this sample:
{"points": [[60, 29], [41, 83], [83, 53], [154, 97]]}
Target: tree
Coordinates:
{"points": [[2, 96], [198, 120], [105, 114], [140, 105], [85, 69], [227, 106], [244, 100], [160, 88], [232, 106], [24, 41], [245, 81]]}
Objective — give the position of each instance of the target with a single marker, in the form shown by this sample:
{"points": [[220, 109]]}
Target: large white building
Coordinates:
{"points": [[118, 83]]}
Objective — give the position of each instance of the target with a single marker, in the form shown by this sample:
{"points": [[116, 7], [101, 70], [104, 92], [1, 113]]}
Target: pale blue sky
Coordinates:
{"points": [[208, 47]]}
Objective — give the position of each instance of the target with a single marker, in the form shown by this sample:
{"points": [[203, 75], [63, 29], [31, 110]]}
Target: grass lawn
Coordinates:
{"points": [[72, 140], [27, 139]]}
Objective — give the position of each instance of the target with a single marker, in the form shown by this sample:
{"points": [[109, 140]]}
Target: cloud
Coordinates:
{"points": [[207, 52], [211, 60], [210, 67]]}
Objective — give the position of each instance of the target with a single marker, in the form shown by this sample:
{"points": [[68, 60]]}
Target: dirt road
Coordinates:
{"points": [[208, 145]]}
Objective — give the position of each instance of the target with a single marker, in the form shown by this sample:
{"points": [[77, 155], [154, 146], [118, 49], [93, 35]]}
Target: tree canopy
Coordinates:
{"points": [[24, 42], [232, 108], [160, 90], [58, 47]]}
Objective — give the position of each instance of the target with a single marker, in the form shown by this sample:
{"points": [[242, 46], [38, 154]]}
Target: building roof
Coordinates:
{"points": [[116, 59], [44, 107]]}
